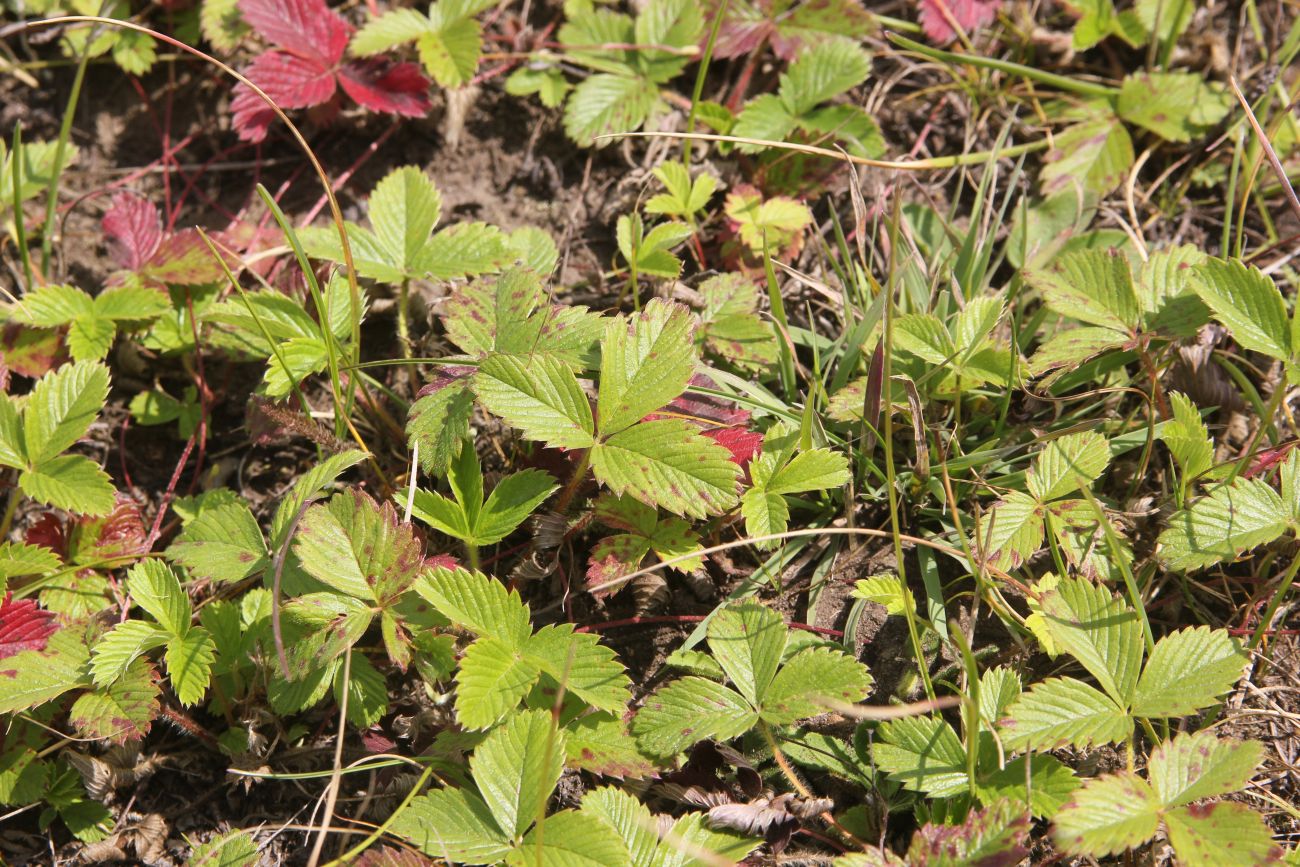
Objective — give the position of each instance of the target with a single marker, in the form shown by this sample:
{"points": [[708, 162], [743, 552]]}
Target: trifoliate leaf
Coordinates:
{"points": [[651, 252], [1231, 519], [539, 395], [779, 219], [688, 711], [645, 362]]}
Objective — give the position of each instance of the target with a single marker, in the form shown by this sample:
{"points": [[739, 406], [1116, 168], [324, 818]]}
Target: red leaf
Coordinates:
{"points": [[395, 89], [743, 444], [23, 626], [306, 28], [970, 14], [133, 229], [292, 82], [442, 561], [51, 532], [30, 351]]}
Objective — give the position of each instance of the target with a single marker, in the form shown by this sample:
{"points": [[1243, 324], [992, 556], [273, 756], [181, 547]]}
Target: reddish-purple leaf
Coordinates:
{"points": [[391, 88], [122, 533], [291, 81], [133, 230], [442, 561], [49, 531], [970, 14], [306, 28], [23, 626], [743, 444]]}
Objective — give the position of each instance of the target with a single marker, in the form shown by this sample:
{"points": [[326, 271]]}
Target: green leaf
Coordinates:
{"points": [[510, 504], [1095, 155], [683, 197], [1174, 105], [122, 711], [601, 744], [367, 692], [1062, 711], [1016, 533], [1187, 438], [33, 677], [359, 547], [581, 664], [539, 395], [1067, 462], [1092, 286], [493, 677], [922, 754], [20, 558], [1098, 630], [478, 603], [688, 711], [730, 322], [1045, 786], [747, 639], [607, 103], [155, 588], [189, 659], [455, 825], [438, 423], [223, 27], [463, 250], [61, 408], [307, 487], [1108, 815], [645, 362], [71, 482], [779, 220], [1248, 302], [1199, 765], [629, 817], [516, 769], [766, 514], [1213, 835], [1231, 519], [650, 251], [995, 836], [12, 446], [1188, 670], [319, 627], [233, 849], [570, 839], [764, 118], [925, 336], [886, 590], [813, 681], [53, 306], [121, 646], [821, 72], [814, 470], [223, 543], [668, 463]]}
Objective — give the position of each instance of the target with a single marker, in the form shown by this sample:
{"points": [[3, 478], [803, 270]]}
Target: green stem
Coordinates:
{"points": [[56, 170], [1061, 82], [575, 481], [475, 561], [348, 856], [699, 80], [404, 316], [777, 304], [11, 508], [20, 235], [1278, 596]]}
